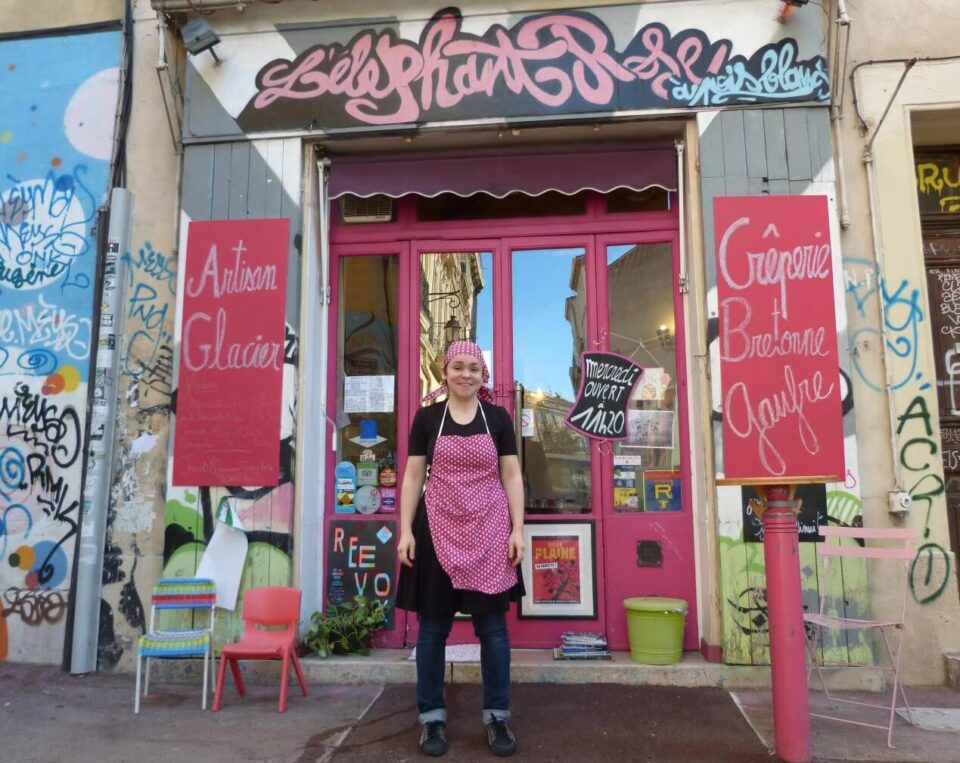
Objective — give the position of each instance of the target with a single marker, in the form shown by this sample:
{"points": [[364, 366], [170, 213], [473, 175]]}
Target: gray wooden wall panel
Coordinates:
{"points": [[249, 179], [239, 180], [197, 181], [220, 200], [798, 144], [753, 152], [734, 148], [774, 138], [756, 145], [256, 184]]}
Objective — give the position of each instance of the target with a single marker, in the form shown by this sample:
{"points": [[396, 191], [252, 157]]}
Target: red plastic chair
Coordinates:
{"points": [[265, 607]]}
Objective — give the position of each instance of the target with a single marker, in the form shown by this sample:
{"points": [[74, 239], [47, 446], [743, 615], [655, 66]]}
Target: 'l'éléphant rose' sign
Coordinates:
{"points": [[230, 383], [779, 369]]}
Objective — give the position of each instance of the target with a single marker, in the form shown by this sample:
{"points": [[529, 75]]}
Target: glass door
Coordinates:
{"points": [[548, 320], [368, 376], [604, 520], [648, 530]]}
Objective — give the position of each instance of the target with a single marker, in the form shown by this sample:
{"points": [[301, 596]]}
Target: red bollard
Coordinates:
{"points": [[788, 665]]}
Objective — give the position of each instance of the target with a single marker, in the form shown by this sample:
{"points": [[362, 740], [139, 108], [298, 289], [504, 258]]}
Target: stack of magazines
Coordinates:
{"points": [[582, 646]]}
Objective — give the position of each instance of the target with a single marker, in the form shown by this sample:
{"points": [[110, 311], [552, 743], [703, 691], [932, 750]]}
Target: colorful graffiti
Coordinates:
{"points": [[57, 105], [902, 314], [151, 292], [265, 513], [553, 62]]}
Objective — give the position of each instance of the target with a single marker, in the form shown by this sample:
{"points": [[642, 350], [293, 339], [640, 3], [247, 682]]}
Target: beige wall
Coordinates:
{"points": [[136, 529], [898, 30], [29, 15]]}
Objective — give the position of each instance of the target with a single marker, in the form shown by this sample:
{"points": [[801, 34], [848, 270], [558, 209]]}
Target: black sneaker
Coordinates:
{"points": [[433, 739], [501, 740]]}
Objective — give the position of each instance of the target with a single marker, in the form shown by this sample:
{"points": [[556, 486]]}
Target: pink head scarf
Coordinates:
{"points": [[462, 347]]}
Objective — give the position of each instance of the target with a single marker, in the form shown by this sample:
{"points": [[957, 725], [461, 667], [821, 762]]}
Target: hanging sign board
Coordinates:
{"points": [[606, 388], [227, 429], [779, 366]]}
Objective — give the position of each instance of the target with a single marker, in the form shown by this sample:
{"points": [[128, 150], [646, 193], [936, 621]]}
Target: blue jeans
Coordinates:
{"points": [[491, 629]]}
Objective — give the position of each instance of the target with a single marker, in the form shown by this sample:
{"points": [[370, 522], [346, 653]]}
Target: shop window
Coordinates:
{"points": [[366, 473], [456, 302], [549, 324], [482, 206], [653, 199], [646, 466]]}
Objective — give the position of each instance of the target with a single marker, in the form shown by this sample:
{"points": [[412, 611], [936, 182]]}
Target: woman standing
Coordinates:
{"points": [[461, 540]]}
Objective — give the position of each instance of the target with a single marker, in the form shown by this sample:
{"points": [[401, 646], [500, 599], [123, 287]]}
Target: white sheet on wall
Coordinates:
{"points": [[223, 561]]}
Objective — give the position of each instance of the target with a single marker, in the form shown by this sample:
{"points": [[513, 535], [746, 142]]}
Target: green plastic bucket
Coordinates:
{"points": [[655, 629]]}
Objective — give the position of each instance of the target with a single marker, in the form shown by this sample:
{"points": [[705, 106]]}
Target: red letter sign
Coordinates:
{"points": [[779, 370], [229, 391]]}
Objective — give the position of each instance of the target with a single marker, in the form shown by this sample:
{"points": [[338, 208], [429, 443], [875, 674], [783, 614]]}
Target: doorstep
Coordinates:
{"points": [[383, 666]]}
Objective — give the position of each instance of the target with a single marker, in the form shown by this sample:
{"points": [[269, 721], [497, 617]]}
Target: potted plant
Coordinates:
{"points": [[346, 628]]}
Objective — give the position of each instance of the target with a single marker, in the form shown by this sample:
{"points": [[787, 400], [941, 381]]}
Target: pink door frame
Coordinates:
{"points": [[408, 239]]}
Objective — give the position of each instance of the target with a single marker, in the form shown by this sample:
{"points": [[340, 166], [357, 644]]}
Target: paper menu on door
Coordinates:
{"points": [[368, 394]]}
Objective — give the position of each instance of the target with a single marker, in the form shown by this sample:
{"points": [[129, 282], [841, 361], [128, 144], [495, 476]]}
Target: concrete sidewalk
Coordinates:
{"points": [[48, 716]]}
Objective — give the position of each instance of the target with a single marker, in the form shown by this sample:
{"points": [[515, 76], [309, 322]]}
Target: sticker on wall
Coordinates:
{"points": [[368, 436], [346, 487], [367, 500], [653, 384], [662, 491], [388, 499], [625, 496], [650, 429], [528, 424], [368, 474]]}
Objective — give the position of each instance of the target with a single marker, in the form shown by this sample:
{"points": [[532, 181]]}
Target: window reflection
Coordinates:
{"points": [[549, 332], [642, 327], [456, 302]]}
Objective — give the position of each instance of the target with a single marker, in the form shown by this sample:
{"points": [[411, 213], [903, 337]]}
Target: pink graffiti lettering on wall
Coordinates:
{"points": [[555, 61]]}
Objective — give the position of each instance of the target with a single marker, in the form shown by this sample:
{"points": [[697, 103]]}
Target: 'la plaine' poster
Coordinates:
{"points": [[556, 569]]}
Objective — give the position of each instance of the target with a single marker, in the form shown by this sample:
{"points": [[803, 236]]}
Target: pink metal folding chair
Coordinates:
{"points": [[902, 551]]}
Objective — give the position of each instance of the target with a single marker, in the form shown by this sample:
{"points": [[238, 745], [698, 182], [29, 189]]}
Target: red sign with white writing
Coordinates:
{"points": [[227, 429], [779, 368]]}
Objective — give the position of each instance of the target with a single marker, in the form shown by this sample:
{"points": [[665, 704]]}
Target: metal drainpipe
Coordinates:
{"points": [[836, 114], [880, 259], [99, 477]]}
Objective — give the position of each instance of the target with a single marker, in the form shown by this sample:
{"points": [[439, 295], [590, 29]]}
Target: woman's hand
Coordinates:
{"points": [[406, 548], [516, 547]]}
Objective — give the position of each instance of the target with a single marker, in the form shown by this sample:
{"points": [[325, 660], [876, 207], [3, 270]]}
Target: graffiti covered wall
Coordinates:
{"points": [[260, 179], [778, 152], [57, 103]]}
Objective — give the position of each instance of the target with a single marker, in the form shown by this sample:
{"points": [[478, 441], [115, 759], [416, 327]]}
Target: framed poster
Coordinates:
{"points": [[559, 571]]}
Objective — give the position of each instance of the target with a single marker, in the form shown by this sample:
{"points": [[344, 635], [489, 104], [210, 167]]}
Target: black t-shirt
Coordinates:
{"points": [[426, 426]]}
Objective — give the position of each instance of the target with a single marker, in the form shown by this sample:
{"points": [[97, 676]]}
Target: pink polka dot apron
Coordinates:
{"points": [[468, 512]]}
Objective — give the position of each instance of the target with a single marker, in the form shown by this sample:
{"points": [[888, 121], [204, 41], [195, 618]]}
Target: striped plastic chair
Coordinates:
{"points": [[171, 594]]}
